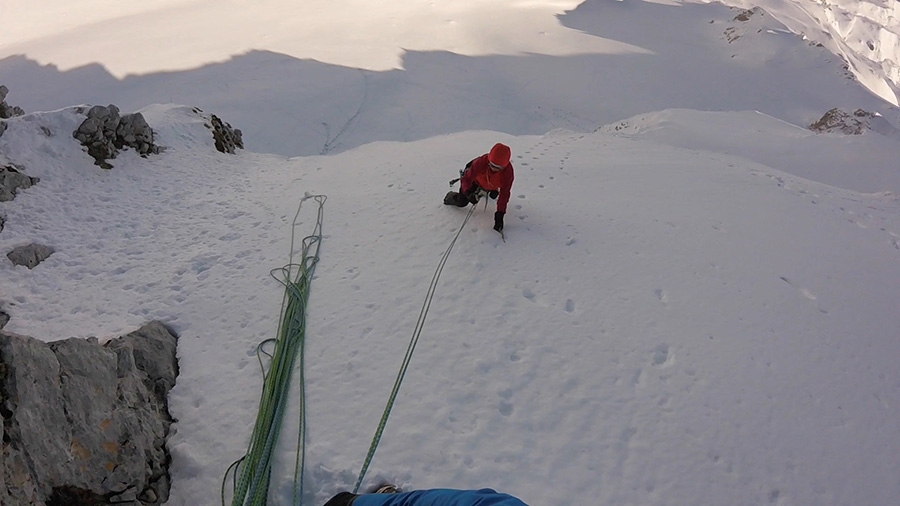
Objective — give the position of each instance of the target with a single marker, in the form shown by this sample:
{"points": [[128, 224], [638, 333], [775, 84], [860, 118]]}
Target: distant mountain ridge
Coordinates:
{"points": [[865, 33]]}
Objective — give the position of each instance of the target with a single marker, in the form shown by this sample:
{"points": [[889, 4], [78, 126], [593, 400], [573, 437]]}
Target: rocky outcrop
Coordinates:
{"points": [[837, 120], [85, 424], [744, 26], [29, 256], [105, 132], [227, 139], [6, 110], [11, 179], [855, 123]]}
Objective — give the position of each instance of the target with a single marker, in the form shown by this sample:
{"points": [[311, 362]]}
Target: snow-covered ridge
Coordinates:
{"points": [[852, 150], [866, 33]]}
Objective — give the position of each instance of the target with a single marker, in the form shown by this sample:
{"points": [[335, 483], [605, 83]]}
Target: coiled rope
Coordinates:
{"points": [[409, 352], [252, 472]]}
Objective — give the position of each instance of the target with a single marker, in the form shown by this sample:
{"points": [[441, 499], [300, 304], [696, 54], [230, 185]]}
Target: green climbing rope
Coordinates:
{"points": [[252, 472], [409, 352]]}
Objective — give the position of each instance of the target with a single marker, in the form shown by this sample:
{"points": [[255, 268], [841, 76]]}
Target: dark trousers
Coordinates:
{"points": [[341, 499]]}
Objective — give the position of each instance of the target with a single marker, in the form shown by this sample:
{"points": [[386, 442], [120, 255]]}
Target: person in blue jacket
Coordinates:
{"points": [[388, 495]]}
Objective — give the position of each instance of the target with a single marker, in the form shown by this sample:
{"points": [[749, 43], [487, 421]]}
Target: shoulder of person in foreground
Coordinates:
{"points": [[440, 497]]}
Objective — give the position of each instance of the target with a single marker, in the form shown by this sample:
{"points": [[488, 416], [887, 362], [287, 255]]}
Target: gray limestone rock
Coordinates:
{"points": [[856, 123], [29, 256], [84, 423], [6, 110], [11, 180], [227, 139], [104, 132]]}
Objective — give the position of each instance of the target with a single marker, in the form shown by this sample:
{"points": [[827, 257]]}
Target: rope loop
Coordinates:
{"points": [[252, 472]]}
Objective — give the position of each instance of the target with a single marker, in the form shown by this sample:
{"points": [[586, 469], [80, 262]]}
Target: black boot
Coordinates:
{"points": [[341, 499], [455, 199]]}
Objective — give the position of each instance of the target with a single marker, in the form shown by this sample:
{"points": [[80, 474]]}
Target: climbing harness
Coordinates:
{"points": [[252, 472], [409, 352]]}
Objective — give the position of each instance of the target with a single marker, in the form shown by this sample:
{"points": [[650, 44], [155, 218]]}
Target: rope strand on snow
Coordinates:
{"points": [[409, 351]]}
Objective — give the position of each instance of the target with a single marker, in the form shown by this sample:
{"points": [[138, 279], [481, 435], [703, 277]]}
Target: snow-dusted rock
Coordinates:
{"points": [[6, 110], [105, 132], [227, 138], [29, 256], [134, 131], [855, 123], [11, 180]]}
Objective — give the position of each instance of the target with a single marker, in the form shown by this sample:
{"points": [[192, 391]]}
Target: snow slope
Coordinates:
{"points": [[663, 325], [697, 305]]}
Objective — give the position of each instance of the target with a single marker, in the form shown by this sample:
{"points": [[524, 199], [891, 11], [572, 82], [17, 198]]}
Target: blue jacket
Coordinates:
{"points": [[439, 497]]}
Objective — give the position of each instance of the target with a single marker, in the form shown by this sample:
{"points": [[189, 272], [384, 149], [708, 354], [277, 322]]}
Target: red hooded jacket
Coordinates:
{"points": [[480, 173]]}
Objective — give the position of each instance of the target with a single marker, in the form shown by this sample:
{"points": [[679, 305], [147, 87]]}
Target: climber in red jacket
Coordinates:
{"points": [[490, 174]]}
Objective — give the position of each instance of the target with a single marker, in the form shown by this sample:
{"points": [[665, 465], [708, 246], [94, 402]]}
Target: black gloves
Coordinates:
{"points": [[473, 193], [498, 221]]}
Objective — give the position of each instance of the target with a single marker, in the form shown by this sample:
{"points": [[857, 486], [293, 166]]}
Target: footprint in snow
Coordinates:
{"points": [[661, 355]]}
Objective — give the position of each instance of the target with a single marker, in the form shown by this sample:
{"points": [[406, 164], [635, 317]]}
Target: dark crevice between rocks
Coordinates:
{"points": [[6, 408], [73, 496]]}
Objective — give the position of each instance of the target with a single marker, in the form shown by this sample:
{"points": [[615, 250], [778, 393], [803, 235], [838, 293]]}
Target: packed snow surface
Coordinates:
{"points": [[697, 300]]}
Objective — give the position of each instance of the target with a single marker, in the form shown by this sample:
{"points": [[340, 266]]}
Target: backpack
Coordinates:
{"points": [[462, 172]]}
